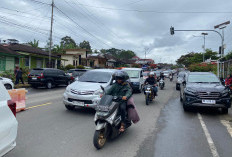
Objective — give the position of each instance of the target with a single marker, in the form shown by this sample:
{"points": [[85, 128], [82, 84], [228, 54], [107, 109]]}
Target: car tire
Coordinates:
{"points": [[177, 87], [8, 86], [185, 107], [224, 110], [49, 84], [181, 99], [70, 107], [34, 86]]}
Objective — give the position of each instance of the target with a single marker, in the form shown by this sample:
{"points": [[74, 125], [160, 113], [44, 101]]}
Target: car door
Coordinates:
{"points": [[8, 122], [61, 77]]}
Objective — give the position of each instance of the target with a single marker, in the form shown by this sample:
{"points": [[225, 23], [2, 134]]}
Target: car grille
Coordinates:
{"points": [[85, 101], [208, 95], [82, 92]]}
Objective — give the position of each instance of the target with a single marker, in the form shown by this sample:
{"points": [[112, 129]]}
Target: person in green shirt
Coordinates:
{"points": [[123, 89]]}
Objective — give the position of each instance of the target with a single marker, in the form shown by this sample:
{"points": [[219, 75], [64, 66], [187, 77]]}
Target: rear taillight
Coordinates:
{"points": [[41, 76], [72, 78], [12, 106]]}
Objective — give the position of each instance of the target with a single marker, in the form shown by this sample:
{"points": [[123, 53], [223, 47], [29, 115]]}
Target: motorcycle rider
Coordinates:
{"points": [[121, 88], [152, 81], [162, 77]]}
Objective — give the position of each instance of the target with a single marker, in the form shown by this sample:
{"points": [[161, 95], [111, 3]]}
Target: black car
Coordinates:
{"points": [[48, 77], [204, 89]]}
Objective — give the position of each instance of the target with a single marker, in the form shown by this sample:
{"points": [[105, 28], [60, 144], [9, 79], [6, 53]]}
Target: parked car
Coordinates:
{"points": [[8, 122], [136, 78], [204, 89], [48, 77], [180, 79], [8, 83], [82, 92]]}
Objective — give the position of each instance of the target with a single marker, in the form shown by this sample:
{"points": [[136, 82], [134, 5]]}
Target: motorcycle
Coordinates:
{"points": [[171, 78], [108, 120], [161, 84], [149, 94]]}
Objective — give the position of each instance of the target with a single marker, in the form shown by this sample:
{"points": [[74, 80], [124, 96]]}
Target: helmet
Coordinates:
{"points": [[121, 75], [152, 73]]}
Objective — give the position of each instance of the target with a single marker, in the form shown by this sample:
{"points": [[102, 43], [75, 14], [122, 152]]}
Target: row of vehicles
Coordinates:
{"points": [[202, 89]]}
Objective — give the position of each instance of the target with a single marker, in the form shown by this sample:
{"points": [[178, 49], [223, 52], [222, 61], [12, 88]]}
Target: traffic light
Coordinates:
{"points": [[172, 30], [220, 50]]}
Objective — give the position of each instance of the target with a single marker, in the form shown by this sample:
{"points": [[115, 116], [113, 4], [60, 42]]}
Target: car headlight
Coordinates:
{"points": [[225, 92], [98, 92], [190, 90], [68, 89]]}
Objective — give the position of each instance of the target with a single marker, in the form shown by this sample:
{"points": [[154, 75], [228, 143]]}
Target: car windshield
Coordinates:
{"points": [[95, 77], [203, 78], [145, 73], [133, 73], [70, 71], [78, 73]]}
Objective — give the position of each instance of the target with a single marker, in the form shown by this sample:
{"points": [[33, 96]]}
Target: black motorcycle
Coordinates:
{"points": [[149, 94], [108, 120]]}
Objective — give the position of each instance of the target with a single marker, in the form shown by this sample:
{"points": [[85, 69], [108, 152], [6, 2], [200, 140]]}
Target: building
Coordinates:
{"points": [[74, 57], [145, 61], [96, 61]]}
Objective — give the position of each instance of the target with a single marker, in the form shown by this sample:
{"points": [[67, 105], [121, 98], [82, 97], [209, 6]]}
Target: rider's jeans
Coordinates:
{"points": [[122, 110]]}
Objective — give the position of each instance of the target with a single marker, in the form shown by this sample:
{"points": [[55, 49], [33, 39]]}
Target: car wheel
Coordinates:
{"points": [[181, 99], [70, 107], [225, 110], [185, 107], [177, 87], [8, 86], [34, 86], [49, 84]]}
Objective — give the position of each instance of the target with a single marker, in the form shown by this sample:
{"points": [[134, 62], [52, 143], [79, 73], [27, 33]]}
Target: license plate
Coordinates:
{"points": [[148, 91], [34, 78], [78, 103], [208, 101]]}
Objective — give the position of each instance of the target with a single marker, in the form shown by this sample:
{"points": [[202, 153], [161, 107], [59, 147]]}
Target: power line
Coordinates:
{"points": [[81, 26], [159, 12], [38, 2]]}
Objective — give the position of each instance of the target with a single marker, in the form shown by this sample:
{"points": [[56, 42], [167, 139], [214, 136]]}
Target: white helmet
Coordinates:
{"points": [[152, 73]]}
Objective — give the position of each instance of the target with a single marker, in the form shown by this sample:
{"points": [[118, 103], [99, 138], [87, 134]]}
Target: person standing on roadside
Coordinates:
{"points": [[19, 76]]}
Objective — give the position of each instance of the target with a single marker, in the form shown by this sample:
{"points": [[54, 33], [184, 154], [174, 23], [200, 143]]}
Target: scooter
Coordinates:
{"points": [[161, 84], [108, 120], [171, 78], [149, 94]]}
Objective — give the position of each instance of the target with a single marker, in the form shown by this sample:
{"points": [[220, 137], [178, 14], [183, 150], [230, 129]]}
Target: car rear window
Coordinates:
{"points": [[36, 71], [3, 94], [203, 78], [133, 73]]}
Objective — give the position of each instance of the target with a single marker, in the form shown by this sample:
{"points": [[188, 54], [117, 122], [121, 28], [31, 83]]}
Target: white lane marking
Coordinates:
{"points": [[227, 125], [209, 139]]}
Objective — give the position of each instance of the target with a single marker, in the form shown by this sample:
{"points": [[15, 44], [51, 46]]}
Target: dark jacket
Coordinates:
{"points": [[151, 81], [19, 73], [120, 90]]}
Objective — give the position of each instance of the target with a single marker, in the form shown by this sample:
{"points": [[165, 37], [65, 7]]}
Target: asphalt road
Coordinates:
{"points": [[47, 129]]}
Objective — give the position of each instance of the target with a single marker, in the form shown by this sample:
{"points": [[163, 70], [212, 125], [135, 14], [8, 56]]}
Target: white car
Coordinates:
{"points": [[7, 83], [81, 93], [166, 73], [8, 122]]}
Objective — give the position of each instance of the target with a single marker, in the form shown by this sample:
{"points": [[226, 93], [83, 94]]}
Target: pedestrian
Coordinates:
{"points": [[19, 76]]}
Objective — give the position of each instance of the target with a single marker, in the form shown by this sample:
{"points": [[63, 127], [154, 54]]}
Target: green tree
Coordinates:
{"points": [[85, 45], [210, 54], [68, 43], [34, 43], [126, 54], [58, 49]]}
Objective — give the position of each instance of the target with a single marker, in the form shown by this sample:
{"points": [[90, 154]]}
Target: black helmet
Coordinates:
{"points": [[121, 75]]}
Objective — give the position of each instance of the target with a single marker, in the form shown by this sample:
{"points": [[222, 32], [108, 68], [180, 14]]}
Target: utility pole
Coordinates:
{"points": [[50, 39]]}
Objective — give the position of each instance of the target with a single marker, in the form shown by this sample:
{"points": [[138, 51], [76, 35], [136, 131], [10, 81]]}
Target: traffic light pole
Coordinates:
{"points": [[172, 30]]}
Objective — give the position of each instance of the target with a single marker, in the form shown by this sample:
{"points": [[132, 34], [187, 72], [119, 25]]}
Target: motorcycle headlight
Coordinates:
{"points": [[98, 92]]}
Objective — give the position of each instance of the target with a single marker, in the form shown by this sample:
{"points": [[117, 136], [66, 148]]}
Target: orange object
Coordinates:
{"points": [[19, 97]]}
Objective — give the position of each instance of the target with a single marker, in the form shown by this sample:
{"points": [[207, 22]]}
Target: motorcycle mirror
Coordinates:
{"points": [[102, 87]]}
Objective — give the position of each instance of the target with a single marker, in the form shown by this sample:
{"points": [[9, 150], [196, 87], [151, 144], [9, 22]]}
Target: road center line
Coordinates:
{"points": [[227, 125], [38, 105], [209, 139]]}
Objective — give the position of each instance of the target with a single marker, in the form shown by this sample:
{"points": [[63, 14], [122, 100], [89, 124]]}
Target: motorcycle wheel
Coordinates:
{"points": [[147, 99], [99, 139]]}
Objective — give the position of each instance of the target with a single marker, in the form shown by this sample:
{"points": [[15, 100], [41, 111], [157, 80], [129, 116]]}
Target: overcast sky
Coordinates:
{"points": [[137, 25]]}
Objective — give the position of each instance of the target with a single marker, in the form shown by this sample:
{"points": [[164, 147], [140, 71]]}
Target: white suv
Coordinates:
{"points": [[8, 122]]}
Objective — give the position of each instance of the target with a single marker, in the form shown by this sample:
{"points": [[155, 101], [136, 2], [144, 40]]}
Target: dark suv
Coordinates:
{"points": [[204, 89], [48, 77]]}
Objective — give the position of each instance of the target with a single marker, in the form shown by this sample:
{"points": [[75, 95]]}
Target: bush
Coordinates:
{"points": [[69, 66], [136, 66], [80, 67], [203, 68]]}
